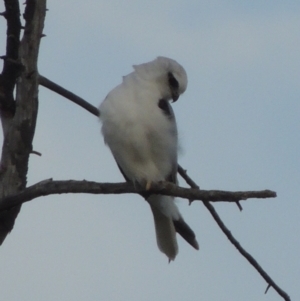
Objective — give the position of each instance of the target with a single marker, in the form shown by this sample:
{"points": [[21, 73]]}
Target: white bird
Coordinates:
{"points": [[138, 125]]}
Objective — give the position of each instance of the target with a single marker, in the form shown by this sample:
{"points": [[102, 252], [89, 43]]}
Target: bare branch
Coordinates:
{"points": [[49, 187], [185, 176], [36, 153], [232, 239], [67, 94]]}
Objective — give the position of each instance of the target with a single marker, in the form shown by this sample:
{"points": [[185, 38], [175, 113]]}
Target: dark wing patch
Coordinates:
{"points": [[186, 232], [165, 107], [123, 173]]}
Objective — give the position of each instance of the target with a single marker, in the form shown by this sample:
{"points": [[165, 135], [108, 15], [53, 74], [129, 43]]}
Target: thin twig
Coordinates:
{"points": [[267, 288], [239, 206], [36, 153]]}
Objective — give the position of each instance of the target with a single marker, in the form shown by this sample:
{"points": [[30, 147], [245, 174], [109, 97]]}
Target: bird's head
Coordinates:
{"points": [[169, 76]]}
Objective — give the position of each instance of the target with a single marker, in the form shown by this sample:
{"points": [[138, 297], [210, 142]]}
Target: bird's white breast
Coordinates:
{"points": [[142, 139]]}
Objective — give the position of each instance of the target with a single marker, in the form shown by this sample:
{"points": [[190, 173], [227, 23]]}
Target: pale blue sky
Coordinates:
{"points": [[239, 129]]}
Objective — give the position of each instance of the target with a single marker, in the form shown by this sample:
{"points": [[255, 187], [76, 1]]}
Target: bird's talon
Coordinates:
{"points": [[148, 185]]}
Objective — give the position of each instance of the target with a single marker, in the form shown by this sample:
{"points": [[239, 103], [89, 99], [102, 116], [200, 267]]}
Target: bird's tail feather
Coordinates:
{"points": [[186, 232], [168, 221], [165, 233]]}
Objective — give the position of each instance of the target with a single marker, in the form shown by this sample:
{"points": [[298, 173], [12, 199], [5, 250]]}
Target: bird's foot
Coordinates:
{"points": [[148, 185]]}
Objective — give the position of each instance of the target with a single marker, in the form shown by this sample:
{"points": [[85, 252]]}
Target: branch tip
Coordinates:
{"points": [[36, 153], [239, 205], [269, 285]]}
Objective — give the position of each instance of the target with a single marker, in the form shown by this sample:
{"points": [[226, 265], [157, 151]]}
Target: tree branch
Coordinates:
{"points": [[67, 94], [49, 187], [232, 239]]}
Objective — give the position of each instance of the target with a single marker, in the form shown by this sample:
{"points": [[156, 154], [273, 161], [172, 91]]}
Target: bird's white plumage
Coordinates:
{"points": [[143, 137]]}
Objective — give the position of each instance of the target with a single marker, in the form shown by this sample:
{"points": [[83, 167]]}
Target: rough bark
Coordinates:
{"points": [[11, 65], [19, 127]]}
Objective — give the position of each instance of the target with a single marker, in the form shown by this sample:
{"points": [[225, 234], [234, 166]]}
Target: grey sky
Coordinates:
{"points": [[239, 129]]}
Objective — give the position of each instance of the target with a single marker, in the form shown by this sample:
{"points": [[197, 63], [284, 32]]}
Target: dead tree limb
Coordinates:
{"points": [[19, 127], [47, 83], [232, 239], [49, 187]]}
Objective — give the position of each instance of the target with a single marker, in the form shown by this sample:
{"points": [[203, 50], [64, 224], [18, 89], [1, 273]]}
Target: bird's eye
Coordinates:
{"points": [[173, 81]]}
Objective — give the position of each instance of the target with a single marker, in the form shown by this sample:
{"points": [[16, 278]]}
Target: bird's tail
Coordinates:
{"points": [[165, 232], [168, 221]]}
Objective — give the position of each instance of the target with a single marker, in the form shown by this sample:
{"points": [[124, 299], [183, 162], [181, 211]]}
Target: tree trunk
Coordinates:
{"points": [[19, 127]]}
